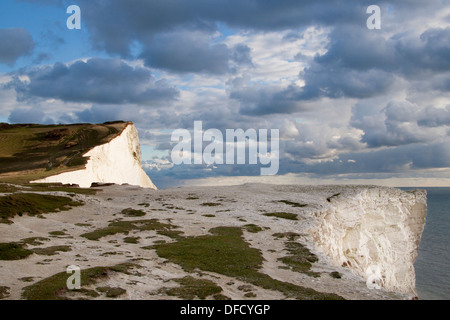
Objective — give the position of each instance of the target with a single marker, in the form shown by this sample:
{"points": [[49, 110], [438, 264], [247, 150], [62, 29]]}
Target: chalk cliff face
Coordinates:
{"points": [[118, 161], [375, 232]]}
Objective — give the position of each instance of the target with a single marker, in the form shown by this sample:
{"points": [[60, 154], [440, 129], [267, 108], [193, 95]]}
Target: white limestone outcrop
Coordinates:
{"points": [[118, 161], [375, 232]]}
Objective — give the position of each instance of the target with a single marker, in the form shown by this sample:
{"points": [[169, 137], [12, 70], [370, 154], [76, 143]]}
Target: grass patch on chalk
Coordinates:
{"points": [[282, 215], [50, 251], [59, 234], [4, 292], [210, 204], [83, 224], [33, 204], [125, 227], [291, 236], [299, 259], [129, 212], [55, 287], [131, 240], [335, 275], [34, 241], [112, 292], [191, 288], [42, 187], [252, 228], [293, 204], [144, 204], [13, 251], [224, 251]]}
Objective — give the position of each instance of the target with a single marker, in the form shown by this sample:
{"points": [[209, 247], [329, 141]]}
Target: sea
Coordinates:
{"points": [[433, 262]]}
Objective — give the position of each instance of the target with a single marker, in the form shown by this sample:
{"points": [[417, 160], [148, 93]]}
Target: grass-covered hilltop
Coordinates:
{"points": [[30, 151]]}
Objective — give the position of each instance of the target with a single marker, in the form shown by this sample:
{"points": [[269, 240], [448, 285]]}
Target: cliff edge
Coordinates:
{"points": [[117, 161], [375, 232]]}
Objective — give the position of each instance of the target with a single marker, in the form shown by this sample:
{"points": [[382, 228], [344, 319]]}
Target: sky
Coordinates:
{"points": [[353, 105]]}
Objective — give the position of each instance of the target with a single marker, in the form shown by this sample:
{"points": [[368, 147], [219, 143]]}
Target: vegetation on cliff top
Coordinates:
{"points": [[224, 251], [32, 204], [29, 151]]}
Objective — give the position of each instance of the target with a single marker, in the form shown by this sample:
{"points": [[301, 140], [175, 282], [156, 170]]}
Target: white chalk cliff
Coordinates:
{"points": [[375, 232], [118, 161]]}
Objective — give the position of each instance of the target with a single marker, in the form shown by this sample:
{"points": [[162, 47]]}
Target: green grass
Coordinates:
{"points": [[112, 292], [125, 227], [191, 288], [27, 279], [34, 241], [4, 292], [291, 236], [253, 228], [55, 287], [293, 204], [83, 224], [30, 151], [210, 204], [53, 187], [300, 259], [129, 212], [7, 188], [57, 233], [335, 275], [282, 215], [13, 251], [131, 240], [32, 204], [224, 251], [144, 204], [50, 251]]}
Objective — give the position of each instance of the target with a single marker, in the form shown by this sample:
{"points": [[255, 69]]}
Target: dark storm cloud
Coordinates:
{"points": [[320, 82], [14, 44], [400, 123], [97, 81], [114, 24], [263, 100], [435, 117], [405, 53], [362, 64], [358, 64], [242, 54], [429, 52], [193, 51], [182, 53], [441, 83]]}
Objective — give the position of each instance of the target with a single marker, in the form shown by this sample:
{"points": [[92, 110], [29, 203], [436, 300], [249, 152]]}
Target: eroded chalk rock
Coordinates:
{"points": [[376, 232]]}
